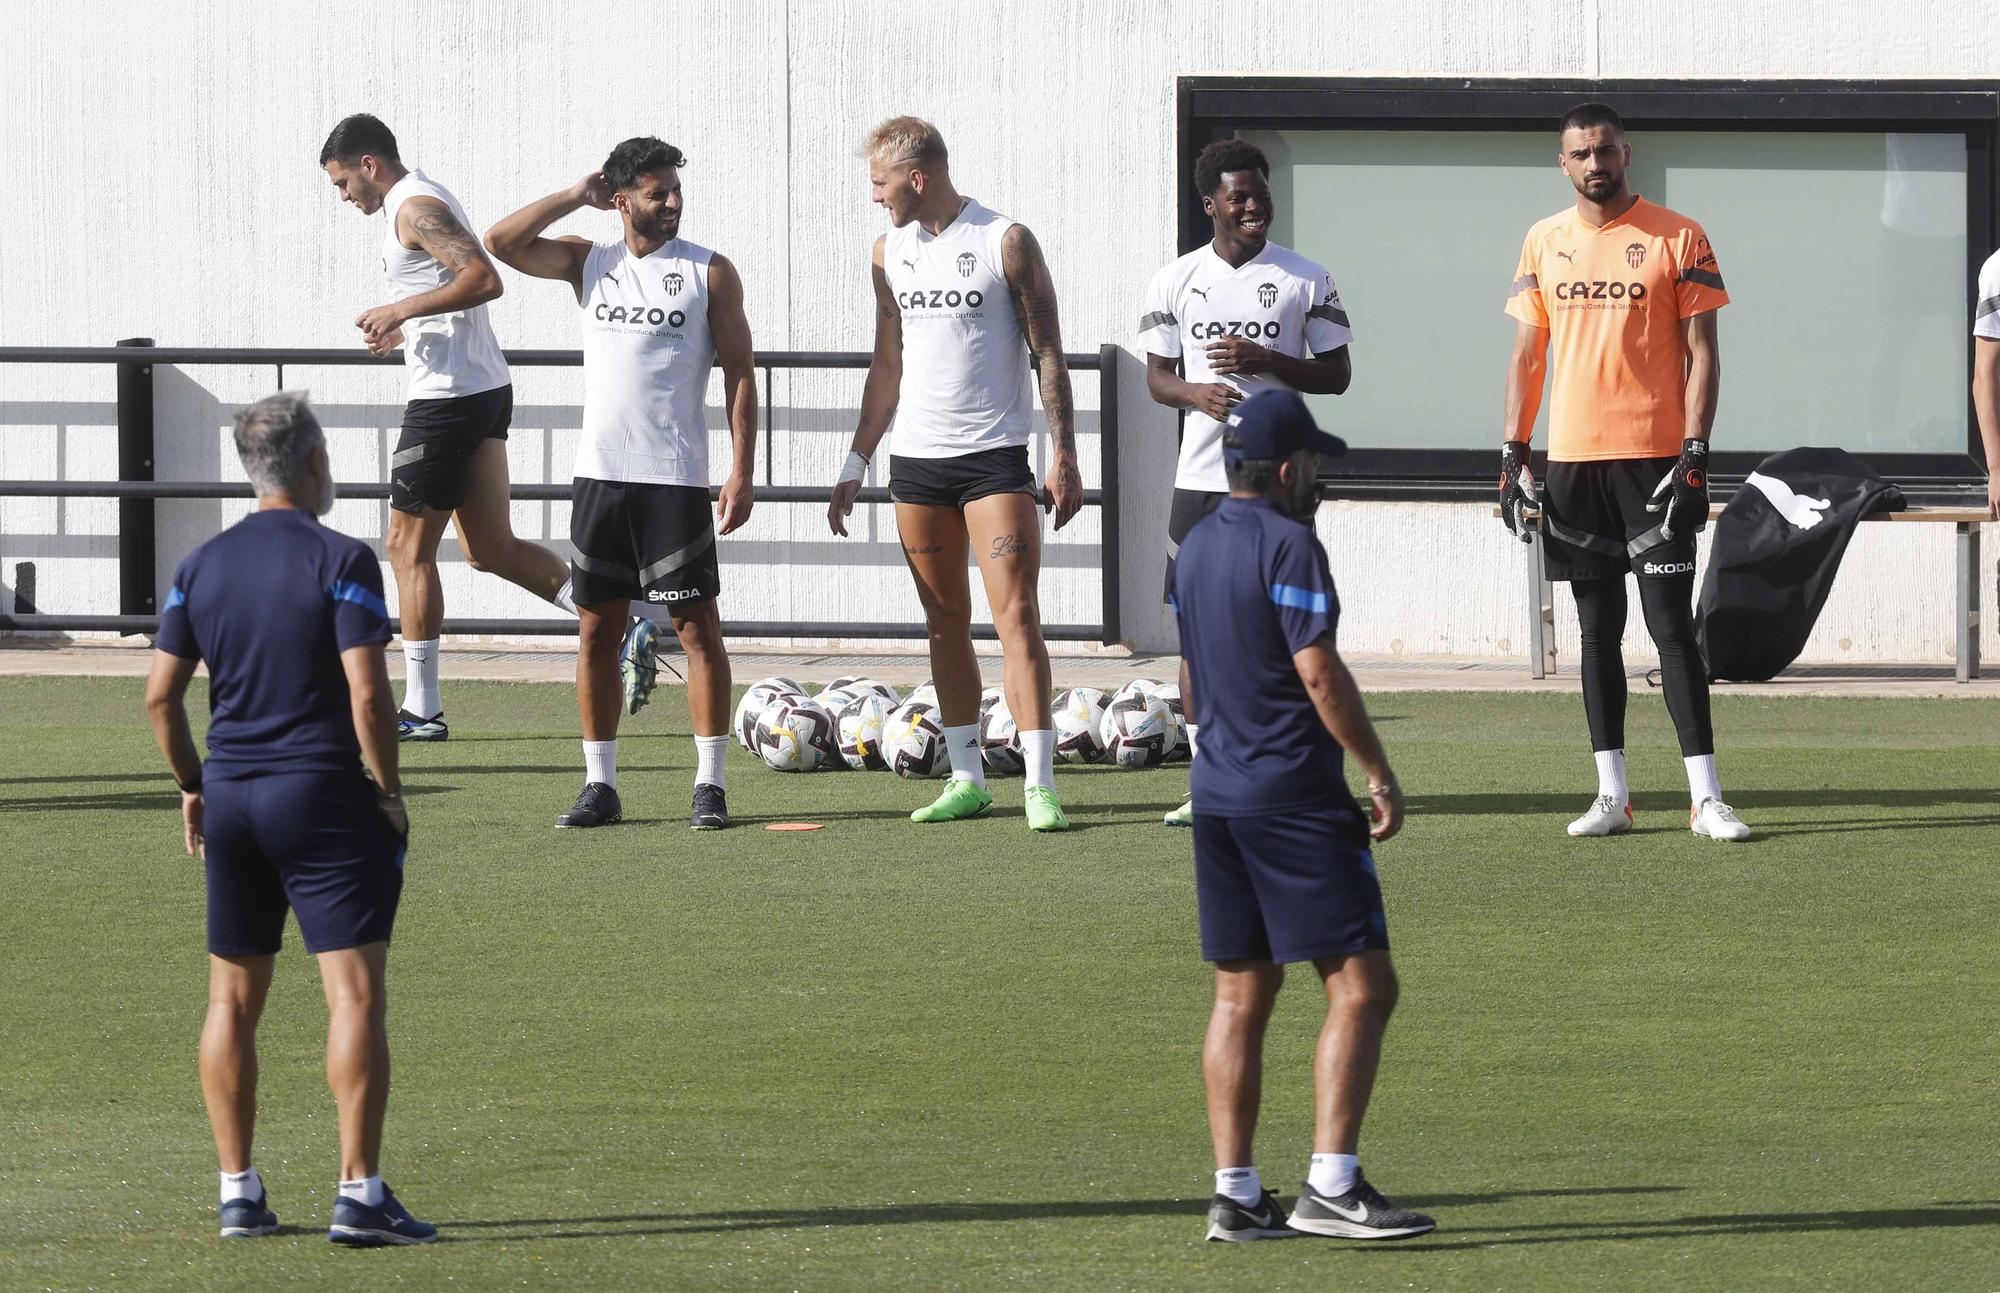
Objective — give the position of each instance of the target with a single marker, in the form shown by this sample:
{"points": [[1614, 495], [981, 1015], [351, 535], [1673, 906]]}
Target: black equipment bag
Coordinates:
{"points": [[1777, 546]]}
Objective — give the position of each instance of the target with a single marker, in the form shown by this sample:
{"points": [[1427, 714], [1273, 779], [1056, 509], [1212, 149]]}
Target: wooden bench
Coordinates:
{"points": [[1542, 601]]}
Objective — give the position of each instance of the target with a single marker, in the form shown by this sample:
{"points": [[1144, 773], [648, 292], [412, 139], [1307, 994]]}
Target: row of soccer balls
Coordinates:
{"points": [[866, 725]]}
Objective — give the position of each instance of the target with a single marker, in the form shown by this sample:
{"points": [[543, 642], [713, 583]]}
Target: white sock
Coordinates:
{"points": [[1239, 1185], [1333, 1174], [420, 676], [1038, 750], [1702, 782], [565, 597], [962, 743], [1611, 775], [367, 1190], [1193, 749], [600, 762], [245, 1184], [708, 755]]}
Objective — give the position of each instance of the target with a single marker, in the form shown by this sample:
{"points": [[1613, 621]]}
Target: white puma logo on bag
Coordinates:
{"points": [[1799, 510]]}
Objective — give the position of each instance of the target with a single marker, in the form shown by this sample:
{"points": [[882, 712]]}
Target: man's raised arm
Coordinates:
{"points": [[517, 240]]}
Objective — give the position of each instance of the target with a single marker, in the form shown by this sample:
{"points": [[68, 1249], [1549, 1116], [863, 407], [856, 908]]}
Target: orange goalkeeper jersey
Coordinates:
{"points": [[1613, 299]]}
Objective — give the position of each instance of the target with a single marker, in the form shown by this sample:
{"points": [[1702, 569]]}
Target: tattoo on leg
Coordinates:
{"points": [[1009, 545], [925, 551]]}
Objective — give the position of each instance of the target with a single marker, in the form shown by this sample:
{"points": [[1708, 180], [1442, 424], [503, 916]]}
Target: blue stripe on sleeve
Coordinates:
{"points": [[349, 591], [175, 597], [1298, 598]]}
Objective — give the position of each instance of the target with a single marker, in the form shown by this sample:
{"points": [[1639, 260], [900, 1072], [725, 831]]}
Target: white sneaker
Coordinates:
{"points": [[1608, 815], [1717, 820]]}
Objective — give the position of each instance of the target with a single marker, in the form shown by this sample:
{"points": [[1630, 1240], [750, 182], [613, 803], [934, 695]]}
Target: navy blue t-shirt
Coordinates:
{"points": [[269, 604], [1251, 587]]}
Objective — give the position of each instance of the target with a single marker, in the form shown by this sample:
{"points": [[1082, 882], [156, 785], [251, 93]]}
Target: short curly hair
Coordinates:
{"points": [[643, 155], [1224, 156]]}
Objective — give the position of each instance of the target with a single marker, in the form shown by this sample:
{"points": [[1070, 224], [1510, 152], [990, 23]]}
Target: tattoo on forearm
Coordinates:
{"points": [[446, 239], [1009, 545], [1035, 301]]}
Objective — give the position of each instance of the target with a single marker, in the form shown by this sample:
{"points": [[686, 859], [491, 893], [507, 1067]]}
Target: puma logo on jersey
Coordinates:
{"points": [[1201, 292], [1568, 256], [910, 265], [1801, 511], [612, 277]]}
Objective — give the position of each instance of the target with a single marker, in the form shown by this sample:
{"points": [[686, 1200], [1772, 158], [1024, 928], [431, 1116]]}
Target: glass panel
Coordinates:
{"points": [[1844, 254]]}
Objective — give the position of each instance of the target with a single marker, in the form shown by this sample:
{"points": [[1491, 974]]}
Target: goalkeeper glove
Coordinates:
{"points": [[1518, 490], [1683, 493]]}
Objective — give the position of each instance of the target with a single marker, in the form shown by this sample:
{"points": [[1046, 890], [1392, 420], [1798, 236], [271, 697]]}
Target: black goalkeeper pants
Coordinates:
{"points": [[1668, 604]]}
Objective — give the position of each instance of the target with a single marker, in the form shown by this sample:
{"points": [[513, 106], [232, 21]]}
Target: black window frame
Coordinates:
{"points": [[1208, 108]]}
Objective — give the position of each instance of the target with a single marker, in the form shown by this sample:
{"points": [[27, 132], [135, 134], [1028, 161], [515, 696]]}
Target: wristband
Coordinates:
{"points": [[856, 468], [1391, 786], [190, 787]]}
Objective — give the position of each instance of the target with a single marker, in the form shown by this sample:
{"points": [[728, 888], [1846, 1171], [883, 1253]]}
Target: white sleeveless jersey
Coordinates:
{"points": [[1277, 299], [448, 355], [646, 356], [965, 357]]}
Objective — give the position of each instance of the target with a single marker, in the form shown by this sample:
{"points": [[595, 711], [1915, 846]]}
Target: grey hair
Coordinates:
{"points": [[275, 438]]}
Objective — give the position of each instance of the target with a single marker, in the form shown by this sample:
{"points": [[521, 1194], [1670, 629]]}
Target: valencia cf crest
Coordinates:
{"points": [[965, 264], [1635, 254], [674, 284], [1267, 294]]}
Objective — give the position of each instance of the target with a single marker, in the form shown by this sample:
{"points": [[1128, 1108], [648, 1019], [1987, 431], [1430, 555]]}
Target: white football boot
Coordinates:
{"points": [[1717, 820], [1608, 815]]}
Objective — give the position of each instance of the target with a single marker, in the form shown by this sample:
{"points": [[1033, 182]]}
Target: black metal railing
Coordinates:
{"points": [[136, 488]]}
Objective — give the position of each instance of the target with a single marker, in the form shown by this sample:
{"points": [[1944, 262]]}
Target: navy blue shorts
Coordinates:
{"points": [[1285, 888], [311, 842]]}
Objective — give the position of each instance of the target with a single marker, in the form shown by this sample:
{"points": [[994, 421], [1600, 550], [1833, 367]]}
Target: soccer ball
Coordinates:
{"points": [[890, 695], [860, 725], [1077, 714], [923, 695], [913, 742], [1136, 687], [794, 734], [754, 702], [838, 692], [999, 740], [1137, 731], [1170, 693]]}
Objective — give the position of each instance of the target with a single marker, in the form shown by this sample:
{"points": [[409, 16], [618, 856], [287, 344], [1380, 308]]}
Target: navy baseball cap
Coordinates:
{"points": [[1273, 425]]}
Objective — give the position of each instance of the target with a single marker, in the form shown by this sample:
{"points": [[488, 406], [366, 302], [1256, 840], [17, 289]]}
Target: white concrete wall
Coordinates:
{"points": [[162, 183]]}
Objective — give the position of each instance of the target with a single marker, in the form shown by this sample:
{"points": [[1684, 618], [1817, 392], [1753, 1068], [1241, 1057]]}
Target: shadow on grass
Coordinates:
{"points": [[1937, 1216], [1507, 803], [142, 800]]}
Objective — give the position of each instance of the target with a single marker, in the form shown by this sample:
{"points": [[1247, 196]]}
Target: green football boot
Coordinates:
{"points": [[1182, 816], [960, 800], [1044, 813]]}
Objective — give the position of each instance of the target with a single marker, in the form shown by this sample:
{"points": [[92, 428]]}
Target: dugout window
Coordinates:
{"points": [[1850, 220]]}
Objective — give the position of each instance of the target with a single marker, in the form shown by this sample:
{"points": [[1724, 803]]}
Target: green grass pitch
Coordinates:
{"points": [[965, 1057]]}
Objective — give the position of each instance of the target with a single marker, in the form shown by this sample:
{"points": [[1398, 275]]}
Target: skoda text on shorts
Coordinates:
{"points": [[1237, 316], [289, 618], [658, 312], [1624, 292], [451, 458], [962, 296]]}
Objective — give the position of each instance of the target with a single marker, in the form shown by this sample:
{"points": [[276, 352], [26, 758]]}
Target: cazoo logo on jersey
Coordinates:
{"points": [[640, 314], [940, 299], [1255, 329]]}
